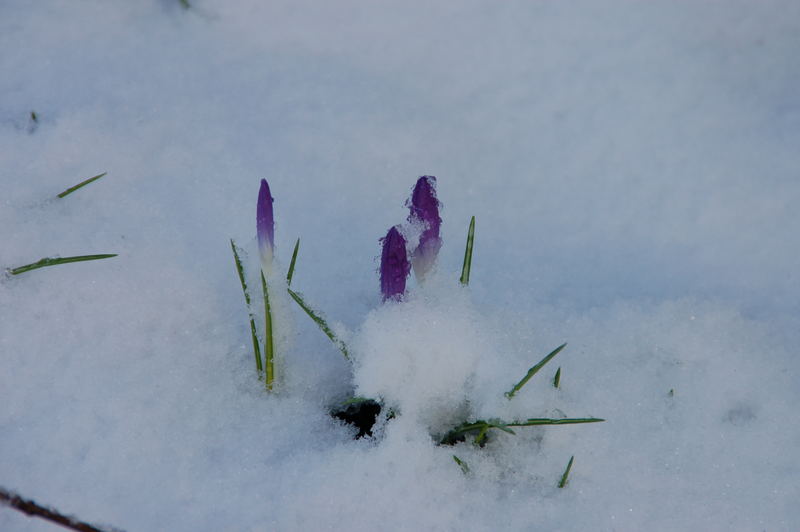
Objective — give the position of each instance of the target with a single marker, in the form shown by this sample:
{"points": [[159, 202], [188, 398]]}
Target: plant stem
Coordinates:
{"points": [[30, 507], [269, 363]]}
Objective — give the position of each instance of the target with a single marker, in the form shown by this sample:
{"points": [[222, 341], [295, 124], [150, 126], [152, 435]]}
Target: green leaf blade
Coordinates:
{"points": [[467, 266], [269, 347], [55, 261], [82, 184], [290, 273], [564, 477], [462, 464], [253, 334], [531, 422], [534, 370], [320, 321]]}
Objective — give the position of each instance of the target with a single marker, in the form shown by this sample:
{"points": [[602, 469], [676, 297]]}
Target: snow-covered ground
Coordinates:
{"points": [[634, 175]]}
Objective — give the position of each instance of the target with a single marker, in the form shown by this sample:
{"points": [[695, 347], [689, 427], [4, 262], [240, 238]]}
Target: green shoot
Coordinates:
{"points": [[70, 190], [482, 427], [563, 481], [290, 274], [549, 421], [34, 122], [53, 261], [468, 253], [356, 400], [321, 323], [533, 371], [269, 353], [185, 4], [462, 464], [557, 378], [671, 392], [240, 271]]}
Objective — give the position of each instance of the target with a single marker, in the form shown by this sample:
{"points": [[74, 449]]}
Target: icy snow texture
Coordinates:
{"points": [[633, 171], [420, 357]]}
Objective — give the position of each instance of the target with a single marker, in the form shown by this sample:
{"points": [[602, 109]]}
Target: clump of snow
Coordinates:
{"points": [[420, 356]]}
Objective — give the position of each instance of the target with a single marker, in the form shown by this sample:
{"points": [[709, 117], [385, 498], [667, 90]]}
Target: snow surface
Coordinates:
{"points": [[633, 170]]}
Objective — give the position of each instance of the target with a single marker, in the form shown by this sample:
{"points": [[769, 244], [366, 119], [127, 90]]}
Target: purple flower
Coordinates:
{"points": [[394, 265], [424, 209], [265, 226]]}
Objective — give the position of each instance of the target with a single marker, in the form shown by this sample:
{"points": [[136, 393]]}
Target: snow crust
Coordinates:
{"points": [[633, 172]]}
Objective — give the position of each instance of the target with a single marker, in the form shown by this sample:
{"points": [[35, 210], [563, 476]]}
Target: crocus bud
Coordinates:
{"points": [[265, 226], [424, 209], [394, 265]]}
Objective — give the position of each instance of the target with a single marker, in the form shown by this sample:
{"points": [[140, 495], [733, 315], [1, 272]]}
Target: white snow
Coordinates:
{"points": [[632, 169]]}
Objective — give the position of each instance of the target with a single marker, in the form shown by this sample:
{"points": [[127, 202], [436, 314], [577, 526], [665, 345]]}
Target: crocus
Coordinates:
{"points": [[424, 207], [394, 265], [265, 226]]}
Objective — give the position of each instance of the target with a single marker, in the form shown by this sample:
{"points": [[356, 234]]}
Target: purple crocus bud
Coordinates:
{"points": [[265, 226], [425, 212], [394, 265]]}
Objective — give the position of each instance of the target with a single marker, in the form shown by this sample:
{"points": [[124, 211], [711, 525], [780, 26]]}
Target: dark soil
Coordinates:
{"points": [[362, 415]]}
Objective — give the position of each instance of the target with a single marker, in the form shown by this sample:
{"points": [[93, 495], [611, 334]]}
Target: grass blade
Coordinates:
{"points": [[458, 433], [54, 261], [550, 421], [468, 253], [290, 274], [557, 378], [240, 271], [70, 190], [462, 464], [563, 481], [356, 400], [533, 371], [269, 353], [320, 322]]}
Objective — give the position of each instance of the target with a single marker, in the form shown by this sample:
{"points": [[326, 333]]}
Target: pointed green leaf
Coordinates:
{"points": [[290, 274], [465, 269], [253, 335], [533, 371], [70, 190], [54, 261], [320, 321], [550, 421], [462, 464], [563, 481]]}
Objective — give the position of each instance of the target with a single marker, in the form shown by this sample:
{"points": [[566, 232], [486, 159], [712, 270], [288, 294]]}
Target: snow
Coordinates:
{"points": [[633, 173]]}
